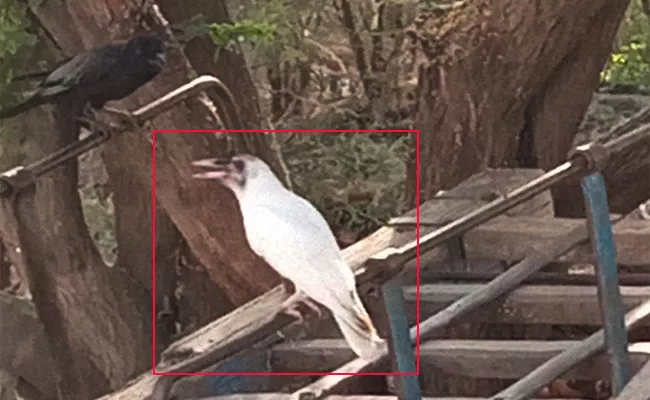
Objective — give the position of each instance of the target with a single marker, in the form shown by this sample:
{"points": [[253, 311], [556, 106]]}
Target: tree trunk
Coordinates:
{"points": [[231, 68], [507, 84], [91, 314], [182, 198], [98, 318], [228, 67]]}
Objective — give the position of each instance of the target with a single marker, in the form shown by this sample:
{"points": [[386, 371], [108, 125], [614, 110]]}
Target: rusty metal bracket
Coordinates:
{"points": [[20, 177], [595, 154], [14, 180]]}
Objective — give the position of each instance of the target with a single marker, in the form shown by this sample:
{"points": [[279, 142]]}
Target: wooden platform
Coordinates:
{"points": [[477, 359], [490, 248], [527, 305]]}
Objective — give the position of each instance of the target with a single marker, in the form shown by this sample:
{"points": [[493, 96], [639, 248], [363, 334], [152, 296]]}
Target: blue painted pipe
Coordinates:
{"points": [[611, 305], [401, 340], [233, 384]]}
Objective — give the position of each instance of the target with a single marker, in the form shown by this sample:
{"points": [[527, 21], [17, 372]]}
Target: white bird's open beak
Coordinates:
{"points": [[215, 168]]}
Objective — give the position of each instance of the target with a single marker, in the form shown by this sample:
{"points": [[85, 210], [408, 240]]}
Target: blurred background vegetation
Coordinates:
{"points": [[304, 59], [630, 62]]}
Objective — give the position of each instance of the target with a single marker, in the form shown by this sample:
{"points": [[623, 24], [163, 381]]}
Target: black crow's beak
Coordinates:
{"points": [[215, 168]]}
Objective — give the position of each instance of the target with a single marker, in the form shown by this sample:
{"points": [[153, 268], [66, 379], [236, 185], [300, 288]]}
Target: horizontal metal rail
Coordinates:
{"points": [[20, 177], [585, 159]]}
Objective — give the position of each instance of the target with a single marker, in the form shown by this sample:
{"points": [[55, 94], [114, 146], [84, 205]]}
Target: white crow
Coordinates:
{"points": [[294, 238]]}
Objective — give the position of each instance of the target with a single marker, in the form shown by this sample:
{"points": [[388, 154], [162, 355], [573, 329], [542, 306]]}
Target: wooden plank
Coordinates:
{"points": [[483, 275], [477, 359], [639, 386], [534, 304], [509, 179], [251, 315], [566, 360], [256, 317], [504, 284], [481, 188], [248, 320], [632, 239], [511, 238]]}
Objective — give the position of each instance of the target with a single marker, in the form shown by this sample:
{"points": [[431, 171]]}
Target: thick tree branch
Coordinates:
{"points": [[24, 350], [487, 70]]}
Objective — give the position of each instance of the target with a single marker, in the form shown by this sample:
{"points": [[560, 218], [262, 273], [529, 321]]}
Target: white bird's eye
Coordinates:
{"points": [[238, 164]]}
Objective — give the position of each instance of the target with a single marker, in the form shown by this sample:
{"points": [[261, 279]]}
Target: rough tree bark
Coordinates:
{"points": [[98, 318], [507, 84], [228, 67], [90, 313]]}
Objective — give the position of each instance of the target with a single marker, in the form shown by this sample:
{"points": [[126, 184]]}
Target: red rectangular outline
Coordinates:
{"points": [[153, 255]]}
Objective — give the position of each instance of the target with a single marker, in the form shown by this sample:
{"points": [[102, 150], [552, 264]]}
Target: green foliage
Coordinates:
{"points": [[229, 36], [287, 41], [270, 29], [630, 62], [356, 179], [288, 20], [14, 39]]}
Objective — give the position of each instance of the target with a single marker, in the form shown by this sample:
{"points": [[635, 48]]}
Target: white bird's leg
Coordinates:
{"points": [[313, 306], [290, 305], [294, 312]]}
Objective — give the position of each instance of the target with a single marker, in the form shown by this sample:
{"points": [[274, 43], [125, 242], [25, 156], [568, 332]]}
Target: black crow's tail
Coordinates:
{"points": [[26, 105]]}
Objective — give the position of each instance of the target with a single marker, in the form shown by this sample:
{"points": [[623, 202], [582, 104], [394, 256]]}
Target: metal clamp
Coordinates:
{"points": [[15, 179], [595, 154]]}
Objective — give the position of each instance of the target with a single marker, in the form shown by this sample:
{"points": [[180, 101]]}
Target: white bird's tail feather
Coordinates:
{"points": [[358, 330]]}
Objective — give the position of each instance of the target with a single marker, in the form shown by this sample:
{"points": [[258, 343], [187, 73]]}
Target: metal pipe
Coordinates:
{"points": [[409, 386], [625, 142], [492, 209], [526, 387], [41, 167], [609, 294], [579, 163]]}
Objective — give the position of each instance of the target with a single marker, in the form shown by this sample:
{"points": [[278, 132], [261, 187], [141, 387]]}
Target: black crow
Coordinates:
{"points": [[110, 72]]}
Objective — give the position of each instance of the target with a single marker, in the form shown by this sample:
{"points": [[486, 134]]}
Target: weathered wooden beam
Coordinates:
{"points": [[538, 304], [639, 386], [505, 283], [477, 359], [481, 276], [247, 324], [255, 319], [480, 188], [511, 238], [559, 364], [633, 242]]}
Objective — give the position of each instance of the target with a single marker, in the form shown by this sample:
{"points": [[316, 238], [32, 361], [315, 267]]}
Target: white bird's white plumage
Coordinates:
{"points": [[293, 237]]}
